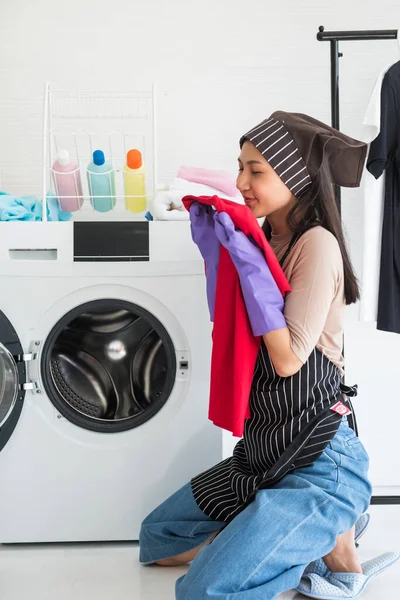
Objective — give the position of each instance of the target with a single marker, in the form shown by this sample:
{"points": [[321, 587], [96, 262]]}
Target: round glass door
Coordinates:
{"points": [[108, 365], [8, 384]]}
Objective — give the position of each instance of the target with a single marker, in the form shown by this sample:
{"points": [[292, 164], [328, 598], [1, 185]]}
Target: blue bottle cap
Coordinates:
{"points": [[98, 157]]}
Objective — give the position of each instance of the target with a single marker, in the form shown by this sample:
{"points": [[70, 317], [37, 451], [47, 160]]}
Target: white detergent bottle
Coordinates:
{"points": [[135, 182], [101, 181], [67, 182]]}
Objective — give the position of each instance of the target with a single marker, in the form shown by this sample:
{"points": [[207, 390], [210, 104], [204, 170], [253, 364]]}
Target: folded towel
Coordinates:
{"points": [[29, 208], [16, 209], [200, 189], [220, 180], [167, 204]]}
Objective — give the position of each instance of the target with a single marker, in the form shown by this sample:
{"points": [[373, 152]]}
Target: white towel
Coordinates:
{"points": [[167, 204]]}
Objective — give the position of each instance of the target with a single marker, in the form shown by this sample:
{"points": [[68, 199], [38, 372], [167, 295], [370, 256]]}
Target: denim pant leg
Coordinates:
{"points": [[265, 549], [176, 526]]}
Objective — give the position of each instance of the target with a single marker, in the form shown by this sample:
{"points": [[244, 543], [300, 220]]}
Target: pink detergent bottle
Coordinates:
{"points": [[67, 181]]}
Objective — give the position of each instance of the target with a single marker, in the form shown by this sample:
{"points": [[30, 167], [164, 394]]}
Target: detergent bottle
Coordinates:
{"points": [[67, 181], [101, 180], [135, 182]]}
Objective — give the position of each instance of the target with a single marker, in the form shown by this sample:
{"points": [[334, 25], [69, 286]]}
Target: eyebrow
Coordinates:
{"points": [[251, 162]]}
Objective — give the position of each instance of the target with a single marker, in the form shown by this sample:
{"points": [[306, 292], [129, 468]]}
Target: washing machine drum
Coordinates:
{"points": [[111, 367], [8, 384]]}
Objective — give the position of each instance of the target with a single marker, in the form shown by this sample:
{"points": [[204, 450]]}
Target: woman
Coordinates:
{"points": [[297, 481]]}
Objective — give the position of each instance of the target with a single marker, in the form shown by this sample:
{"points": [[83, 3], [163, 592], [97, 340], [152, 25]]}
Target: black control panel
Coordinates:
{"points": [[113, 241]]}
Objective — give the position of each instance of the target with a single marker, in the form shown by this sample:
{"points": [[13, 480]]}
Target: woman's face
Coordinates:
{"points": [[262, 189]]}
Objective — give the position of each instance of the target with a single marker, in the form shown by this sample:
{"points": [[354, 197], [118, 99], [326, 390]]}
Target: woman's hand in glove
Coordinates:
{"points": [[263, 299], [203, 234]]}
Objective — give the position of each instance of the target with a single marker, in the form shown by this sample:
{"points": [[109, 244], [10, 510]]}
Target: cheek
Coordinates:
{"points": [[272, 194], [268, 194]]}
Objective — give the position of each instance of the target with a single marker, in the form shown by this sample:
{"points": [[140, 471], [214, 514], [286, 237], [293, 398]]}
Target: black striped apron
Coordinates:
{"points": [[291, 422]]}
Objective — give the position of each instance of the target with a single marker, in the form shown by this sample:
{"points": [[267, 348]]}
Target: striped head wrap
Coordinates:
{"points": [[295, 146]]}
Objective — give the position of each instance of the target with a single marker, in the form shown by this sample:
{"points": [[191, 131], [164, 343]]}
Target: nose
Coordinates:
{"points": [[242, 182]]}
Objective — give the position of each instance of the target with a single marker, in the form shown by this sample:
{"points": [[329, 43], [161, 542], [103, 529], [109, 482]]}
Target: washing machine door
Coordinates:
{"points": [[12, 378], [109, 365]]}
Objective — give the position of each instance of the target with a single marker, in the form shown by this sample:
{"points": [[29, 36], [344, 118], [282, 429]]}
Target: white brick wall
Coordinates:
{"points": [[220, 66]]}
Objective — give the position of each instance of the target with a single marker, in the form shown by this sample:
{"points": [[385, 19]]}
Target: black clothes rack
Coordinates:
{"points": [[334, 37]]}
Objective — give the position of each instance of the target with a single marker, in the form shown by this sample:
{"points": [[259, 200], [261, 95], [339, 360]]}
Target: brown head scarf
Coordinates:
{"points": [[295, 145]]}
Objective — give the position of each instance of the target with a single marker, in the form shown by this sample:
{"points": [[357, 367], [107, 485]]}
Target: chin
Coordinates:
{"points": [[258, 212]]}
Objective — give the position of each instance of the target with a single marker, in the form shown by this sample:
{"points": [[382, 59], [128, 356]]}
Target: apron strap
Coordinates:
{"points": [[349, 390], [292, 242]]}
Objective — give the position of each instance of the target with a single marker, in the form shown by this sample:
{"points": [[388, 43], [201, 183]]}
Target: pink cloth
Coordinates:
{"points": [[219, 180]]}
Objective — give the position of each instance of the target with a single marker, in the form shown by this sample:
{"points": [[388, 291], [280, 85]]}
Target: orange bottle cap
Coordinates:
{"points": [[134, 159]]}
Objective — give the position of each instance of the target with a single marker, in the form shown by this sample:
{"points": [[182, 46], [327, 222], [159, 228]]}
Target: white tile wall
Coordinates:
{"points": [[220, 67]]}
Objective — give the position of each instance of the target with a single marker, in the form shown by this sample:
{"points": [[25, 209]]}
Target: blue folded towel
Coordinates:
{"points": [[29, 208]]}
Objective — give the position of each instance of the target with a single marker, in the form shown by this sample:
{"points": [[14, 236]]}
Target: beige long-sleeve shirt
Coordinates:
{"points": [[314, 309]]}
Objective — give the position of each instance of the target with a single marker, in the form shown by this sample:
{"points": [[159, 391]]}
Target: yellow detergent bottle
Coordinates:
{"points": [[135, 182]]}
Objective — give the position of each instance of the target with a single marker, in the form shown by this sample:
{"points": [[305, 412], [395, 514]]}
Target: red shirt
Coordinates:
{"points": [[235, 348]]}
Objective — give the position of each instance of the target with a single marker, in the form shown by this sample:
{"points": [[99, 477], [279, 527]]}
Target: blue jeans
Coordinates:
{"points": [[265, 549]]}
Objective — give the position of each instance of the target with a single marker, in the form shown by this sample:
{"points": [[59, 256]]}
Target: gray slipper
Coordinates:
{"points": [[325, 585], [361, 527]]}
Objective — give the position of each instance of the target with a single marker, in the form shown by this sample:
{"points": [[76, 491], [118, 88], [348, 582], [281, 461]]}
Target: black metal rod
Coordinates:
{"points": [[368, 34], [335, 115], [335, 106]]}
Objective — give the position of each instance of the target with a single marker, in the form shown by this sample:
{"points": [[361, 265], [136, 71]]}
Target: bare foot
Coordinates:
{"points": [[186, 557], [343, 558]]}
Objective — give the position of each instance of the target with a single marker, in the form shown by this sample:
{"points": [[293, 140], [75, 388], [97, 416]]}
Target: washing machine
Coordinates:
{"points": [[104, 376]]}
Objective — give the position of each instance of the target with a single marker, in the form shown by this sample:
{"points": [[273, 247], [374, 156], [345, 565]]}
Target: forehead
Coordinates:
{"points": [[250, 152]]}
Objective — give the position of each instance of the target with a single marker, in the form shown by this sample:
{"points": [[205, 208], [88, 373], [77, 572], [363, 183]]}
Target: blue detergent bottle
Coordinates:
{"points": [[101, 181]]}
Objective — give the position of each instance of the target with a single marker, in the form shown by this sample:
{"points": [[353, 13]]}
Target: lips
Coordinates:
{"points": [[249, 201]]}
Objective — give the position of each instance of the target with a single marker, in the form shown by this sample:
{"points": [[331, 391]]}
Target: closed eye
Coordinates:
{"points": [[240, 170]]}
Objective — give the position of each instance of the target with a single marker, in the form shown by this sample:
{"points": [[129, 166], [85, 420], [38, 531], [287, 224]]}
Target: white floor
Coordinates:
{"points": [[111, 571]]}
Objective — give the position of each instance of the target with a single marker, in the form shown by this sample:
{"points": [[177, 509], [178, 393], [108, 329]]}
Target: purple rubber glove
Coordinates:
{"points": [[203, 234], [263, 299]]}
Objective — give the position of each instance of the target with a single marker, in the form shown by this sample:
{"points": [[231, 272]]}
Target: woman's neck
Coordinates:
{"points": [[278, 224], [278, 219]]}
